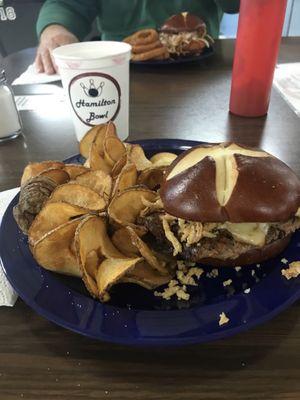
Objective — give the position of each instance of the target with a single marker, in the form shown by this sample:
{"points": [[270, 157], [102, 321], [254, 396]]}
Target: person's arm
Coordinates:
{"points": [[75, 15], [229, 6], [62, 22], [52, 36]]}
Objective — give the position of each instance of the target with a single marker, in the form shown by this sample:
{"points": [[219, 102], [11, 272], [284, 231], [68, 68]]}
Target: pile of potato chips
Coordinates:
{"points": [[88, 226]]}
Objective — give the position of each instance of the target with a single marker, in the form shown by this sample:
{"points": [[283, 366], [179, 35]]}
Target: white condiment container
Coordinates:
{"points": [[10, 125]]}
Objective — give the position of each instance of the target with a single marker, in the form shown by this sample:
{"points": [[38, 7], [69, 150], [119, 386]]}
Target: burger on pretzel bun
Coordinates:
{"points": [[226, 204], [184, 34]]}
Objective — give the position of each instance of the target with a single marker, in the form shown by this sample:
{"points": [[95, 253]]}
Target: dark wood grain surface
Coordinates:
{"points": [[39, 360]]}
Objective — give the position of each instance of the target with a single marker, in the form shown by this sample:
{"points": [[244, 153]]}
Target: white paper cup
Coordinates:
{"points": [[95, 77]]}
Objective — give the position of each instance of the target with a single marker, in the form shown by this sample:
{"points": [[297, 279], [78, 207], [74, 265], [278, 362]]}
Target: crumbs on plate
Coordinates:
{"points": [[185, 274], [214, 273], [292, 271], [223, 319]]}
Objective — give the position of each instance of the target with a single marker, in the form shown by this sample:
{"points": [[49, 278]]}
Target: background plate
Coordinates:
{"points": [[180, 60], [134, 315]]}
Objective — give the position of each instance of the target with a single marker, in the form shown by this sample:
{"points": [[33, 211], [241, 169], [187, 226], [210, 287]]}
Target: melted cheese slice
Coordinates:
{"points": [[251, 233]]}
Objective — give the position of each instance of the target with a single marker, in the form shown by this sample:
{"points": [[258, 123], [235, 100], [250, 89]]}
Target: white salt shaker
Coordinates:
{"points": [[10, 123]]}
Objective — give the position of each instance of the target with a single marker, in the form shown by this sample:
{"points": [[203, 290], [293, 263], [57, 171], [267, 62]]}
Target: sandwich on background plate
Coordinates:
{"points": [[185, 35]]}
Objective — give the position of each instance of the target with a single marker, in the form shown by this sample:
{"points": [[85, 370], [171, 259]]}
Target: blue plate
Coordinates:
{"points": [[178, 60], [134, 316]]}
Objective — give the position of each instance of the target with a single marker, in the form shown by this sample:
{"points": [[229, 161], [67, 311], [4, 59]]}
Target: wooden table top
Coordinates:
{"points": [[41, 360]]}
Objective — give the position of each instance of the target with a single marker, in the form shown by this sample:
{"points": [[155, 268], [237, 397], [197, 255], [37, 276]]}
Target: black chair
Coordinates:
{"points": [[18, 33]]}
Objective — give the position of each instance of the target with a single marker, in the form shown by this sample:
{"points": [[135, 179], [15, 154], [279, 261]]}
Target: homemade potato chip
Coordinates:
{"points": [[90, 284], [87, 140], [122, 240], [91, 241], [98, 140], [152, 177], [97, 162], [75, 170], [92, 263], [54, 250], [105, 131], [129, 243], [119, 165], [128, 147], [97, 159], [144, 275], [111, 271], [126, 178], [51, 216], [147, 253], [99, 181], [33, 169], [126, 206], [163, 159], [79, 195], [137, 156], [59, 176], [93, 236], [111, 129], [33, 194], [113, 149]]}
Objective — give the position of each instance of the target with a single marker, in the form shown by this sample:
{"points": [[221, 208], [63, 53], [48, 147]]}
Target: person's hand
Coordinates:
{"points": [[53, 36]]}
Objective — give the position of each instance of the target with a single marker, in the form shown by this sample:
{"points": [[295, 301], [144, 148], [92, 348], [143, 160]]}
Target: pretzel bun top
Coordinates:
{"points": [[229, 182], [183, 22]]}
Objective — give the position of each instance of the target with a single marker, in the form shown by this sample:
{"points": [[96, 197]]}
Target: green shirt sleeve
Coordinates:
{"points": [[229, 6], [76, 16]]}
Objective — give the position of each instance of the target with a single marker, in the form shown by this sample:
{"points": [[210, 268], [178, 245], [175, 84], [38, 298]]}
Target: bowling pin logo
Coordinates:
{"points": [[92, 90], [95, 97]]}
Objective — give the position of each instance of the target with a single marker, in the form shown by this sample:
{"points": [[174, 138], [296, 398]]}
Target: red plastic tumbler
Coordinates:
{"points": [[257, 46]]}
